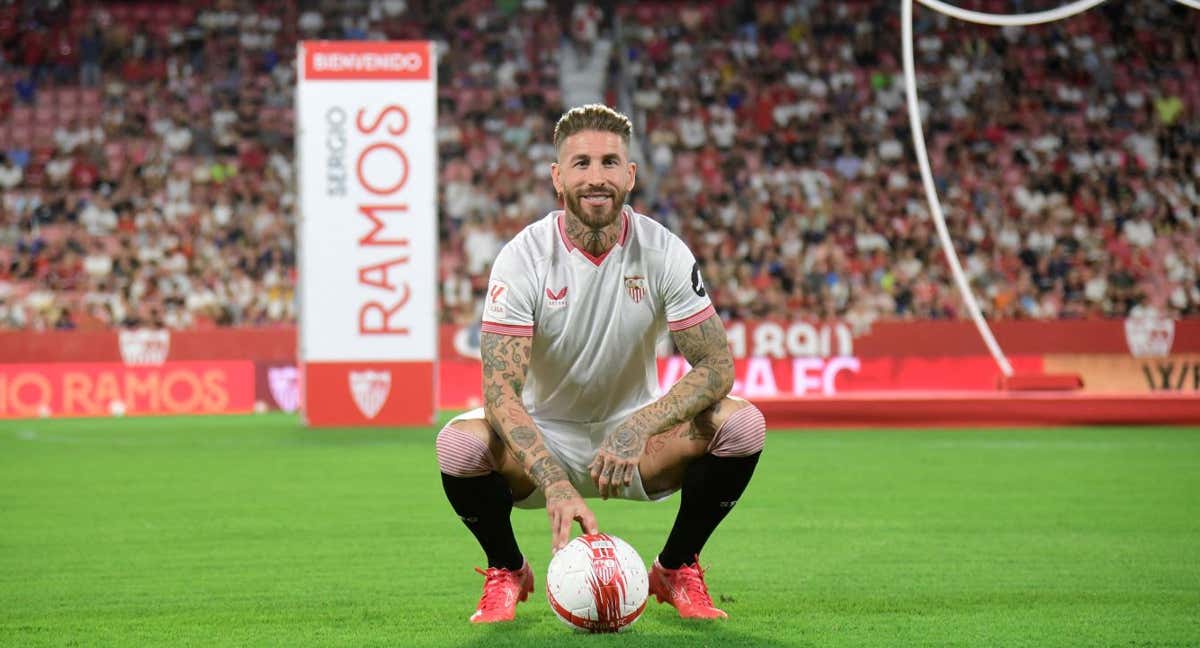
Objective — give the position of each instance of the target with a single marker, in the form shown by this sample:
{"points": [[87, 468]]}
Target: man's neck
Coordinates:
{"points": [[596, 242]]}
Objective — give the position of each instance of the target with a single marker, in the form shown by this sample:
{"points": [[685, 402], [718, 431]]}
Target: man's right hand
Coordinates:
{"points": [[564, 505]]}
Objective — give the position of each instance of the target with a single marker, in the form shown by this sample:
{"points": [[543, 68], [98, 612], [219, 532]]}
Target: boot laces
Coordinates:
{"points": [[495, 587], [692, 579]]}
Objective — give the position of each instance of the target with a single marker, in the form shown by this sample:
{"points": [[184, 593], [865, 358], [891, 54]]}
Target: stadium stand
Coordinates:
{"points": [[147, 153]]}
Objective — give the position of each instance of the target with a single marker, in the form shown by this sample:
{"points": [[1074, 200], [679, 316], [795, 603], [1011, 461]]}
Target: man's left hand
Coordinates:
{"points": [[617, 459]]}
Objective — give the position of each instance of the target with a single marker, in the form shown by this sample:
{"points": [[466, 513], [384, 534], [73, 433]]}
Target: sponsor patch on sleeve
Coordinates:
{"points": [[497, 299]]}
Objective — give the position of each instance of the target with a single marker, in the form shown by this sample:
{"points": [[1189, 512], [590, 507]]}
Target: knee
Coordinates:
{"points": [[461, 453], [741, 434]]}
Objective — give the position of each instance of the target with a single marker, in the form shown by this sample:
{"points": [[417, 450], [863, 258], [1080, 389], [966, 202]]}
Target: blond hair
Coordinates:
{"points": [[595, 117]]}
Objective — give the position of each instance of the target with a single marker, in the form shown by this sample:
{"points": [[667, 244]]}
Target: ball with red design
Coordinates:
{"points": [[597, 583]]}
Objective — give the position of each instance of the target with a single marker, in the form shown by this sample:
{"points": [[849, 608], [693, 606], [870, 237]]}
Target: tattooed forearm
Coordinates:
{"points": [[523, 437], [505, 362], [707, 350], [491, 353], [547, 471]]}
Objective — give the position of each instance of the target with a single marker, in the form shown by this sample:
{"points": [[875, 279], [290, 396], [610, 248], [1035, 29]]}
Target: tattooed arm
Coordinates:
{"points": [[707, 350], [505, 363]]}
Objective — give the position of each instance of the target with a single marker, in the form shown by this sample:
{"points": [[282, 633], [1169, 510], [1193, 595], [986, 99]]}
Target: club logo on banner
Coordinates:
{"points": [[1149, 336], [370, 390], [144, 346], [285, 387]]}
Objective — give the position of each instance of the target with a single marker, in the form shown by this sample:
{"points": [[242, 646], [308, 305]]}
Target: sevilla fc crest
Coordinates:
{"points": [[285, 387], [370, 390], [635, 285], [1149, 336], [144, 346], [605, 569]]}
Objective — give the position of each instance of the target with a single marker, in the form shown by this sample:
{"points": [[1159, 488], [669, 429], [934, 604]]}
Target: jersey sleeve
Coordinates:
{"points": [[686, 299], [508, 304]]}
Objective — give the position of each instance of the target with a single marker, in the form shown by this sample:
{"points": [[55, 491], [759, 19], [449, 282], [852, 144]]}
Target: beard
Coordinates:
{"points": [[596, 216]]}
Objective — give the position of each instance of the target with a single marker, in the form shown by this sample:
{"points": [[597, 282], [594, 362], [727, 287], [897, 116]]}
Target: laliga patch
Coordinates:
{"points": [[497, 299]]}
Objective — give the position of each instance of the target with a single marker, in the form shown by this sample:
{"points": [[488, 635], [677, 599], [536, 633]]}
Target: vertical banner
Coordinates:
{"points": [[367, 230]]}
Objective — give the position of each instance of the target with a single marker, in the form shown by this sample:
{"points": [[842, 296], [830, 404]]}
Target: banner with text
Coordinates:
{"points": [[109, 388], [814, 377], [366, 114], [460, 382]]}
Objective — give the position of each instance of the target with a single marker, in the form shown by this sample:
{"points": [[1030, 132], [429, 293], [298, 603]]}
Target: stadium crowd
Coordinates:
{"points": [[146, 153]]}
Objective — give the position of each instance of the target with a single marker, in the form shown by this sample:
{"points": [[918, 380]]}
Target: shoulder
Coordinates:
{"points": [[652, 235], [534, 243]]}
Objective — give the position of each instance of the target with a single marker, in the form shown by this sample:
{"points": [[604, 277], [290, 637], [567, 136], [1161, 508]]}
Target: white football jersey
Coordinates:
{"points": [[594, 320]]}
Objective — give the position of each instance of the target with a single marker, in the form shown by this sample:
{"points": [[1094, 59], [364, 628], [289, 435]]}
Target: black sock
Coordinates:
{"points": [[484, 504], [711, 486]]}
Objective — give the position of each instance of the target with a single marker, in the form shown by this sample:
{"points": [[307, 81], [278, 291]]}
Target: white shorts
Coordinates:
{"points": [[574, 445]]}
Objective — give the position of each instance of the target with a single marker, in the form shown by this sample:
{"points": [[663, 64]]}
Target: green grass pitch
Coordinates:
{"points": [[252, 531]]}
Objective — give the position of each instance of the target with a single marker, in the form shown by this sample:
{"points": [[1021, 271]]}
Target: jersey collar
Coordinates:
{"points": [[596, 260]]}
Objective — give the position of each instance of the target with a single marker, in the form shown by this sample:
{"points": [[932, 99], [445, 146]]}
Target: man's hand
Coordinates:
{"points": [[564, 505], [617, 459]]}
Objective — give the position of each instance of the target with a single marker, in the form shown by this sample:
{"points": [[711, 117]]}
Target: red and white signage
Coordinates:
{"points": [[368, 60], [113, 388], [366, 114], [794, 377]]}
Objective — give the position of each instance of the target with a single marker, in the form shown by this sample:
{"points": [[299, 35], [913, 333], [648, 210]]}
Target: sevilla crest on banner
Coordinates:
{"points": [[285, 387], [144, 346], [1149, 336], [370, 390]]}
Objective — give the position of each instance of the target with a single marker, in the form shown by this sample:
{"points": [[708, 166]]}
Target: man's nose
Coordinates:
{"points": [[594, 176]]}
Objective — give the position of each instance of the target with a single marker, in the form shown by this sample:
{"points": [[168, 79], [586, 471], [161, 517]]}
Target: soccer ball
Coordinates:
{"points": [[597, 583]]}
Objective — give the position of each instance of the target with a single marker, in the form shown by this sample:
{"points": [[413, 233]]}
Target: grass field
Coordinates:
{"points": [[253, 531]]}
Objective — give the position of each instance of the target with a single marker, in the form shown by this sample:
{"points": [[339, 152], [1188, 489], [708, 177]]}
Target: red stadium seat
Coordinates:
{"points": [[21, 117], [143, 13], [21, 137], [66, 95], [68, 113], [44, 132]]}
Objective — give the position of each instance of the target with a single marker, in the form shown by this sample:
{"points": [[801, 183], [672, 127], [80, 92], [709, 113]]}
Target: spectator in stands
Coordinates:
{"points": [[10, 174]]}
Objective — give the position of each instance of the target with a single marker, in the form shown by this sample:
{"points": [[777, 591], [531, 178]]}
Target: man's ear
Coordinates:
{"points": [[558, 188]]}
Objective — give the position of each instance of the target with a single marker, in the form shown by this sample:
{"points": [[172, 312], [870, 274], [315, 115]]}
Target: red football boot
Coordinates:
{"points": [[502, 590], [684, 588]]}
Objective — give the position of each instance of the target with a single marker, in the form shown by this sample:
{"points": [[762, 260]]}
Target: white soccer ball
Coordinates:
{"points": [[597, 583]]}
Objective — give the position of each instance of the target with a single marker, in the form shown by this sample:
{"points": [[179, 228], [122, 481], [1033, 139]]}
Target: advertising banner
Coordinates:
{"points": [[1106, 373], [1139, 337], [115, 389], [794, 377], [366, 115]]}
